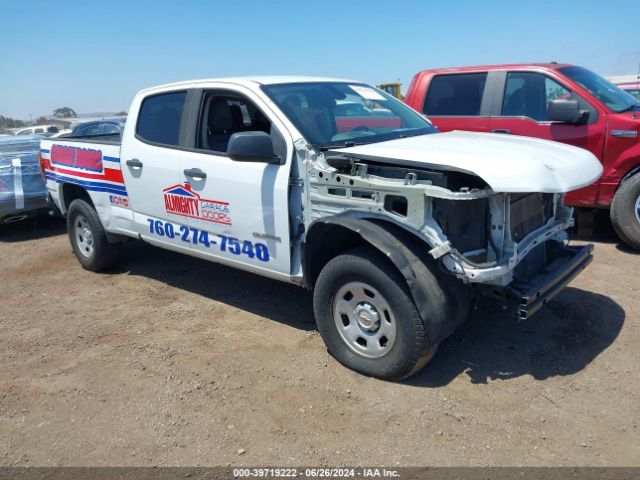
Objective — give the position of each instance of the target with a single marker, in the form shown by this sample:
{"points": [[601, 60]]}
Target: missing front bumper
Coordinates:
{"points": [[536, 292]]}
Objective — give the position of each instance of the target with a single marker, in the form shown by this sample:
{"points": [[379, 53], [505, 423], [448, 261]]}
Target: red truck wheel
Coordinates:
{"points": [[625, 212]]}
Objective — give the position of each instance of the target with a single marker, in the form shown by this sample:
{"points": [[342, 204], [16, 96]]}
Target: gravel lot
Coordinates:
{"points": [[176, 361]]}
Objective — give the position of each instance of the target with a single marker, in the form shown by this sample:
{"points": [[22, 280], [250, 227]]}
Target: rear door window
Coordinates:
{"points": [[455, 95], [159, 118]]}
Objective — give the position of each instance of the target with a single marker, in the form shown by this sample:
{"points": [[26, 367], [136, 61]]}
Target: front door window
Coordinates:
{"points": [[528, 94]]}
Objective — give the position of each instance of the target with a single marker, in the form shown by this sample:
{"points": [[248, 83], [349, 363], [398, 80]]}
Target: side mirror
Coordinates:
{"points": [[566, 111], [252, 147]]}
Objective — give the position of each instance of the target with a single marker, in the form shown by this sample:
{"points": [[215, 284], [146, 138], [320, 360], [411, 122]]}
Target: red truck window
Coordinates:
{"points": [[528, 94], [455, 95]]}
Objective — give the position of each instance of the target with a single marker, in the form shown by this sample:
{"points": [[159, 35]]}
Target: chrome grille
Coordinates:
{"points": [[529, 211]]}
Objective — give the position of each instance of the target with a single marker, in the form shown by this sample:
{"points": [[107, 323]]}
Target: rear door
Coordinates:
{"points": [[459, 101], [150, 158]]}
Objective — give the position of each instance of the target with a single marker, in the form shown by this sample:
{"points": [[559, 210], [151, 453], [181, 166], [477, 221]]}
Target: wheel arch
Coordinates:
{"points": [[70, 192], [632, 172], [408, 253]]}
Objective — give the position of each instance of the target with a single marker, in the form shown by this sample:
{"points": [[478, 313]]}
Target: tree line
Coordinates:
{"points": [[60, 112]]}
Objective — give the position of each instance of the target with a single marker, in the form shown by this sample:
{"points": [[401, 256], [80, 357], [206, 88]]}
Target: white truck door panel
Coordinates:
{"points": [[159, 167], [243, 207], [147, 166]]}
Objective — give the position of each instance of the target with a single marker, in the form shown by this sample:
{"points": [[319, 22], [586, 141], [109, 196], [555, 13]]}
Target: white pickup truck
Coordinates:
{"points": [[335, 186]]}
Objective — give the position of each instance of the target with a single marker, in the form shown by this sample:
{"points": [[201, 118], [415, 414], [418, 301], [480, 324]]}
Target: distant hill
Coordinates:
{"points": [[81, 116], [97, 114]]}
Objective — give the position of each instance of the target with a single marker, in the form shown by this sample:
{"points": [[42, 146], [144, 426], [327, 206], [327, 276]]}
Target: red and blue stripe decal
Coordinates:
{"points": [[93, 186], [85, 167]]}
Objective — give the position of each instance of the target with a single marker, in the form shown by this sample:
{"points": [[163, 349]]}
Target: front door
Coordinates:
{"points": [[235, 211], [521, 109]]}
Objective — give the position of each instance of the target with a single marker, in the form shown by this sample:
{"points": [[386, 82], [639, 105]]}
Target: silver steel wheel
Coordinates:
{"points": [[83, 236], [637, 209], [364, 320]]}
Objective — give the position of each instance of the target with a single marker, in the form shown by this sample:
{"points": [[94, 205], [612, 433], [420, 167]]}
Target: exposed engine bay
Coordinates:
{"points": [[480, 236]]}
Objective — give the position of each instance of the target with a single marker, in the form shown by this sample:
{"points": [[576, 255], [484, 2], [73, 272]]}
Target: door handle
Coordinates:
{"points": [[195, 173], [134, 163], [501, 130]]}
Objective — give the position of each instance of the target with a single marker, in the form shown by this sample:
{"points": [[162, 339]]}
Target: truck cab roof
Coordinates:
{"points": [[514, 66], [248, 81]]}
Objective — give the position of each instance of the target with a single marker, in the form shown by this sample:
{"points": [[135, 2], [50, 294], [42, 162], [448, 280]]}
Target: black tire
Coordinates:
{"points": [[102, 254], [623, 212], [410, 351]]}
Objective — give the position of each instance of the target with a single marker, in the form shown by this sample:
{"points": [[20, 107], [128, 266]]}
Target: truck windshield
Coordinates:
{"points": [[337, 114], [613, 97]]}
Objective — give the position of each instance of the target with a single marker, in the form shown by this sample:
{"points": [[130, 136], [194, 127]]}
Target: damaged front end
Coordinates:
{"points": [[525, 256], [505, 244]]}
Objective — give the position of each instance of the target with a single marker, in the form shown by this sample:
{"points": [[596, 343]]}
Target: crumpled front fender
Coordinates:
{"points": [[442, 301]]}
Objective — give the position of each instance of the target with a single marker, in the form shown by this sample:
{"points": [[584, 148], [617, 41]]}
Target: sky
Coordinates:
{"points": [[94, 56]]}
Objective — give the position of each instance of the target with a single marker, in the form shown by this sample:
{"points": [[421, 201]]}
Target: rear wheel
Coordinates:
{"points": [[88, 238], [625, 212], [367, 317]]}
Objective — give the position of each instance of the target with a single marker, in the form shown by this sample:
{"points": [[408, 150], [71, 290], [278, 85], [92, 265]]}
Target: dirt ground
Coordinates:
{"points": [[176, 361]]}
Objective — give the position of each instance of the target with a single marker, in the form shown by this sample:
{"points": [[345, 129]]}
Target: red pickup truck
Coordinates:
{"points": [[551, 101]]}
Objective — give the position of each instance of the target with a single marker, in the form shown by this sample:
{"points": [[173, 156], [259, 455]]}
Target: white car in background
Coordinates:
{"points": [[62, 133], [39, 130]]}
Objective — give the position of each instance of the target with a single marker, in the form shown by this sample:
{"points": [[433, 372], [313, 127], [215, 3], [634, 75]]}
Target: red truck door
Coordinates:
{"points": [[457, 101], [520, 108]]}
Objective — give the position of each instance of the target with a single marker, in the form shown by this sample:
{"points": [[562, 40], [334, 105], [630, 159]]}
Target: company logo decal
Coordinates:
{"points": [[181, 200], [119, 201], [84, 158]]}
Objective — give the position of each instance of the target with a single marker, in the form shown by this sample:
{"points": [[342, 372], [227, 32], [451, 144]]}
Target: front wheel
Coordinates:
{"points": [[88, 238], [625, 212], [367, 317]]}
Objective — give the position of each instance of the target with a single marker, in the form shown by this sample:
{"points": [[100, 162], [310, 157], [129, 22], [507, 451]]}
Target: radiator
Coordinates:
{"points": [[529, 211]]}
